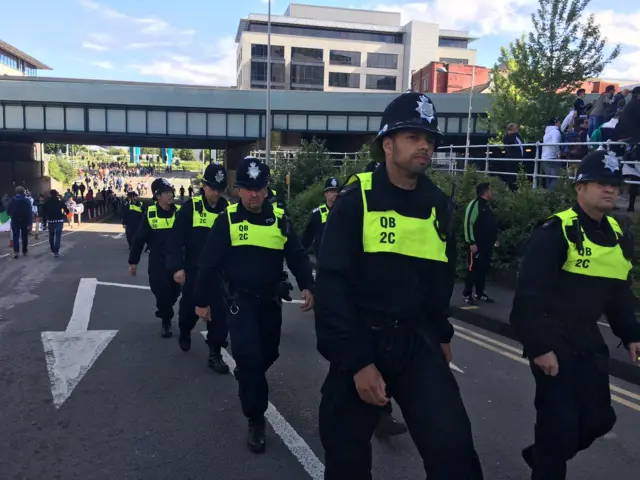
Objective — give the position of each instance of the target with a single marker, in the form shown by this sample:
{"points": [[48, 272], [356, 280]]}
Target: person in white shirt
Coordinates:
{"points": [[551, 151]]}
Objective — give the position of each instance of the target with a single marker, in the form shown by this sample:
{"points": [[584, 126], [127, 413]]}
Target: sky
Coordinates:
{"points": [[193, 41]]}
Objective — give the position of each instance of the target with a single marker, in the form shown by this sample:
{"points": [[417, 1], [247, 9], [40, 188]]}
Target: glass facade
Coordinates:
{"points": [[260, 51], [307, 77], [344, 80], [453, 42], [463, 61], [259, 72], [326, 33], [16, 63], [307, 55], [381, 82], [382, 60], [344, 57]]}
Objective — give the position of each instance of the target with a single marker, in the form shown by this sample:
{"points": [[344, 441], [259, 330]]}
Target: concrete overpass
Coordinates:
{"points": [[57, 110]]}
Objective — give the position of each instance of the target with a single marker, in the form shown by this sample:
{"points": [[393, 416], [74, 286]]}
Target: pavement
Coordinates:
{"points": [[89, 390]]}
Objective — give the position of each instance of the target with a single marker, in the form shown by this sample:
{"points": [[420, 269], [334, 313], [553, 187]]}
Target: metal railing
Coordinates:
{"points": [[277, 156]]}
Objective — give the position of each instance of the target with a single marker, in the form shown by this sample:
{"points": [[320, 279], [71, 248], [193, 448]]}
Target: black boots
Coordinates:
{"points": [[184, 340], [166, 329], [389, 426], [216, 363], [255, 436]]}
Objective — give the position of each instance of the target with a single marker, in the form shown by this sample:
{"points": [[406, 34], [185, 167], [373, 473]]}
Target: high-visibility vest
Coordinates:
{"points": [[594, 260], [157, 223], [135, 207], [324, 213], [389, 232], [244, 233], [201, 216]]}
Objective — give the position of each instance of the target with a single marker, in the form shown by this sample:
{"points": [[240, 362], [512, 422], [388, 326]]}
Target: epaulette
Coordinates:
{"points": [[317, 209], [549, 222], [352, 187]]}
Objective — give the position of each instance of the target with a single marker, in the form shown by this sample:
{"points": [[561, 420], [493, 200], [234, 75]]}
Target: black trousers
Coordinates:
{"points": [[573, 409], [163, 287], [255, 339], [216, 328], [417, 375], [476, 276], [17, 232], [130, 232]]}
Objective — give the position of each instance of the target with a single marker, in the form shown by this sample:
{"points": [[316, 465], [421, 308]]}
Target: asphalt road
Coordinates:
{"points": [[147, 411]]}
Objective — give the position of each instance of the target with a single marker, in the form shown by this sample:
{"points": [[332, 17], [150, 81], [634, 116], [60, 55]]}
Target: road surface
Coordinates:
{"points": [[146, 410]]}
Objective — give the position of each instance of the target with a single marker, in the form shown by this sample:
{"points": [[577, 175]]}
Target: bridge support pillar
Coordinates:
{"points": [[18, 166]]}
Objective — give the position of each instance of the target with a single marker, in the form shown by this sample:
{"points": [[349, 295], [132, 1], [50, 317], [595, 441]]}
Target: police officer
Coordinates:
{"points": [[247, 246], [315, 225], [188, 236], [132, 216], [155, 232], [391, 338], [576, 269]]}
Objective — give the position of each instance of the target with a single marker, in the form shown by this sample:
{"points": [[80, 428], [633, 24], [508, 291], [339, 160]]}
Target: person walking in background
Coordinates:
{"points": [[55, 213], [514, 151], [19, 209], [480, 233], [551, 151]]}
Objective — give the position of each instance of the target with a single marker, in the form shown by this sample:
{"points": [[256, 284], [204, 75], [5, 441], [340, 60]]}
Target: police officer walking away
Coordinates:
{"points": [[315, 226], [576, 269], [392, 338], [132, 216], [155, 232], [246, 248], [188, 236]]}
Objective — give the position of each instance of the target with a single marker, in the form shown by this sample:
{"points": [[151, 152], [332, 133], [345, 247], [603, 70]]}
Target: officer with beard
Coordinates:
{"points": [[155, 231], [576, 270], [391, 338], [245, 252], [188, 236]]}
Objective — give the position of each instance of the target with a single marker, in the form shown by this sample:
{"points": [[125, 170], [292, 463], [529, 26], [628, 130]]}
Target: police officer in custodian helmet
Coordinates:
{"points": [[391, 339], [576, 269]]}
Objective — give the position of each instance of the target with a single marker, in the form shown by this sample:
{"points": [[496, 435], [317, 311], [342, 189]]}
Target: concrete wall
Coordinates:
{"points": [[7, 70], [18, 166], [326, 44], [390, 19]]}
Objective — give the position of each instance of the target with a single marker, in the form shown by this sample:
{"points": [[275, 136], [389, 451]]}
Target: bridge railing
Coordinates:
{"points": [[279, 156]]}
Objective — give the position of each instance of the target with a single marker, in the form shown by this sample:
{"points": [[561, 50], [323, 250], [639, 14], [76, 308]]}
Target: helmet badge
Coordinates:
{"points": [[219, 176], [425, 108], [611, 162], [253, 171]]}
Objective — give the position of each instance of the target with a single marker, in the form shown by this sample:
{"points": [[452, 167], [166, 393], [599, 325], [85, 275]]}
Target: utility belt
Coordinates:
{"points": [[233, 295]]}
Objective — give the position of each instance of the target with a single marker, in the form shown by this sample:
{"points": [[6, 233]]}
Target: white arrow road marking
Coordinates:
{"points": [[120, 235], [294, 442], [70, 354]]}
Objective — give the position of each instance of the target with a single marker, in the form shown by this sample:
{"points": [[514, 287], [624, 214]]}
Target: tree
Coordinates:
{"points": [[149, 151], [184, 154], [205, 155], [55, 148], [114, 151], [537, 74]]}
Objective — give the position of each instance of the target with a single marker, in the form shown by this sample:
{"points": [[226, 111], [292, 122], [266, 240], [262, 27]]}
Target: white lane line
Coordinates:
{"points": [[455, 368], [294, 442], [5, 255], [125, 285], [63, 235], [82, 306]]}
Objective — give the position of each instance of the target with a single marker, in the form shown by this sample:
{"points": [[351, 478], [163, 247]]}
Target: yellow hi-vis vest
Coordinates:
{"points": [[244, 233], [324, 213], [157, 223], [201, 216], [390, 232], [594, 260], [134, 207]]}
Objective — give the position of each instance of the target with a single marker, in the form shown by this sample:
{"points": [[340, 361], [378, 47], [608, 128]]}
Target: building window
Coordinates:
{"points": [[239, 59], [462, 61], [306, 55], [382, 60], [307, 77], [425, 84], [453, 42], [381, 82], [9, 60], [344, 80], [259, 73], [343, 57], [260, 51], [327, 33]]}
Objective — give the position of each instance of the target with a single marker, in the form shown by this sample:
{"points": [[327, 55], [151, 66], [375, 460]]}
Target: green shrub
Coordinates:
{"points": [[62, 170]]}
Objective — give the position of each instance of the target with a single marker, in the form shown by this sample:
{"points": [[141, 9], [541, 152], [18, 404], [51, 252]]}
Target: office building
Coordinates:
{"points": [[15, 62], [341, 49]]}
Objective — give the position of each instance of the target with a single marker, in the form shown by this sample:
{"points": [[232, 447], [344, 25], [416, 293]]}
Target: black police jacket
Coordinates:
{"points": [[554, 310], [186, 242], [312, 235], [156, 240], [132, 218], [353, 287], [248, 268]]}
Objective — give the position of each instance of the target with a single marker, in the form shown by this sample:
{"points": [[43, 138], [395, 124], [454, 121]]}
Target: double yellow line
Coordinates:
{"points": [[515, 353]]}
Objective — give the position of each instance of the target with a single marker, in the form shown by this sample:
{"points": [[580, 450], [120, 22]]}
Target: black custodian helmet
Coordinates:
{"points": [[409, 111], [252, 174], [215, 176], [161, 185], [331, 184], [600, 166]]}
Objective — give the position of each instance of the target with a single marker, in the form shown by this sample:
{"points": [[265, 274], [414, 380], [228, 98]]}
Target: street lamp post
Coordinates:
{"points": [[268, 113], [473, 80]]}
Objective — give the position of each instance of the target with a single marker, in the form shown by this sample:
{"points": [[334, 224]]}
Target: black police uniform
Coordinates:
{"points": [[575, 270], [132, 215], [188, 236], [312, 235], [155, 232], [247, 250], [396, 325]]}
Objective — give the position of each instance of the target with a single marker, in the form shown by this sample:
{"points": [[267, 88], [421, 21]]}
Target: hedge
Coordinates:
{"points": [[62, 170]]}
